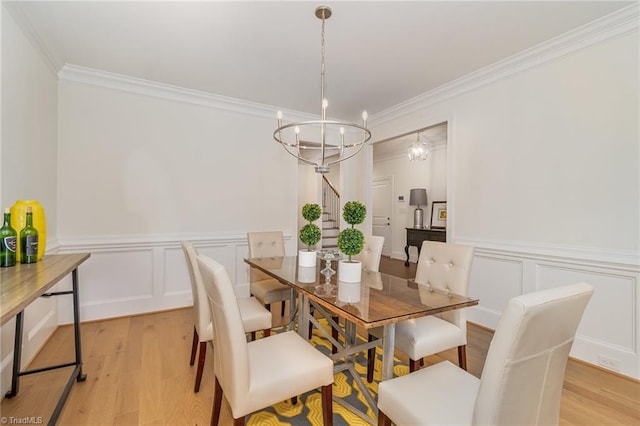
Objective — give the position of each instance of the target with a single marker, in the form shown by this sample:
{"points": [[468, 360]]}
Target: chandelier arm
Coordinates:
{"points": [[304, 160], [277, 134], [348, 156]]}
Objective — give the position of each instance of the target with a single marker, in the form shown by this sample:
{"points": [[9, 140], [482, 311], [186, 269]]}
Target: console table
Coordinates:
{"points": [[22, 284], [415, 237]]}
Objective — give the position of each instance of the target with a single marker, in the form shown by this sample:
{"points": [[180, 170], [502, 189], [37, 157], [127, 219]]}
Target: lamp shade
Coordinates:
{"points": [[418, 197]]}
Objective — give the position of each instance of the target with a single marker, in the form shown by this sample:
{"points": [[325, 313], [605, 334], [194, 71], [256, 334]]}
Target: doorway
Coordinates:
{"points": [[392, 171]]}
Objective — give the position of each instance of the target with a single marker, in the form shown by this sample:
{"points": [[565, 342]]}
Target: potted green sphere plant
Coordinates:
{"points": [[351, 242], [310, 235]]}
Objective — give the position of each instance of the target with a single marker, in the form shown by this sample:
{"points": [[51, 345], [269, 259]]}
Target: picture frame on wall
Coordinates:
{"points": [[439, 215]]}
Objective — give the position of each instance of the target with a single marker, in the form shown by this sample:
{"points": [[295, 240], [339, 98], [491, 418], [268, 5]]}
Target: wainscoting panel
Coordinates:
{"points": [[609, 333], [174, 273], [609, 317], [114, 277], [137, 275], [149, 274], [494, 280]]}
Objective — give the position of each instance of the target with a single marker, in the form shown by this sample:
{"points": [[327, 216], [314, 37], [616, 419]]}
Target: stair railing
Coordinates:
{"points": [[330, 201]]}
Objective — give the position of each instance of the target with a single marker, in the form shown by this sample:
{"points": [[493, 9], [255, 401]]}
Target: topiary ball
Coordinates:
{"points": [[350, 241], [354, 212], [310, 235], [311, 212]]}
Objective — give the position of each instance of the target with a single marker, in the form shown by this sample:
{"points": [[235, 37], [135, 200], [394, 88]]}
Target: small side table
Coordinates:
{"points": [[415, 237]]}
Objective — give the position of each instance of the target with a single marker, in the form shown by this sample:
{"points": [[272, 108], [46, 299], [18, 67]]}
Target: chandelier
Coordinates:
{"points": [[323, 142], [418, 151]]}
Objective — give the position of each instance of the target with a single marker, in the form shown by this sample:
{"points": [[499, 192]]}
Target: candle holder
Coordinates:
{"points": [[328, 255]]}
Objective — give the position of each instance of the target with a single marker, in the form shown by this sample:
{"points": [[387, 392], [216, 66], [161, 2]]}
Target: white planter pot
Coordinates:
{"points": [[307, 258], [349, 292], [350, 272], [306, 274]]}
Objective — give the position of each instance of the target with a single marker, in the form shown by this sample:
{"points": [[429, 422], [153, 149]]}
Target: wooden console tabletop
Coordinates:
{"points": [[22, 284]]}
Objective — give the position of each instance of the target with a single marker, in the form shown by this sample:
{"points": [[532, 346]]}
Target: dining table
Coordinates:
{"points": [[378, 300]]}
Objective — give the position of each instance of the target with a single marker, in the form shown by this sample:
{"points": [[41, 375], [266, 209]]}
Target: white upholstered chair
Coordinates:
{"points": [[254, 316], [371, 253], [521, 383], [258, 374], [266, 289], [442, 266]]}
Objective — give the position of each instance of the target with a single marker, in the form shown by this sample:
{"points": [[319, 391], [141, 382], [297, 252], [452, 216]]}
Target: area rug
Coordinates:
{"points": [[308, 410]]}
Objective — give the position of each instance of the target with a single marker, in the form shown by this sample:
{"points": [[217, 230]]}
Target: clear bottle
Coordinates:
{"points": [[8, 241], [29, 241]]}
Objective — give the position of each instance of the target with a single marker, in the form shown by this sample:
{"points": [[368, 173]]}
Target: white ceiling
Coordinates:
{"points": [[378, 54]]}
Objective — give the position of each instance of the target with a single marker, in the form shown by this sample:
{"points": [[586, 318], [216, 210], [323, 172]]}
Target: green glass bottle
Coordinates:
{"points": [[8, 237], [29, 240]]}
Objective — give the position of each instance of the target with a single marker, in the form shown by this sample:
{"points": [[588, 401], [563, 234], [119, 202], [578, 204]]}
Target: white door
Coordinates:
{"points": [[382, 202]]}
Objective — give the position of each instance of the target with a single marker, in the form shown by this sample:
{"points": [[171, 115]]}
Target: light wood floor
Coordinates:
{"points": [[138, 373]]}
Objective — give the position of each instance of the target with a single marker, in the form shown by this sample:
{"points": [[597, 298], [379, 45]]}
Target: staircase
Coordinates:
{"points": [[330, 214]]}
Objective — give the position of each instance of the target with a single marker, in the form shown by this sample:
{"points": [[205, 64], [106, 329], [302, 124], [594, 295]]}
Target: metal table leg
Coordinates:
{"points": [[388, 344], [17, 355]]}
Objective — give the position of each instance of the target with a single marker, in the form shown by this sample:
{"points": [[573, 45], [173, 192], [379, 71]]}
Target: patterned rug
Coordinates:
{"points": [[308, 410]]}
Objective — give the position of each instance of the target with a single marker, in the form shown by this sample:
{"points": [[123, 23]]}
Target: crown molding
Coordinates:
{"points": [[608, 27], [124, 83]]}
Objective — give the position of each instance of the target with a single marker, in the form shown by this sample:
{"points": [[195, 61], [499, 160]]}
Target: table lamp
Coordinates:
{"points": [[418, 197]]}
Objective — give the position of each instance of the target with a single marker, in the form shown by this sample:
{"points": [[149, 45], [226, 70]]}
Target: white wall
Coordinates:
{"points": [[543, 180], [143, 166], [28, 166]]}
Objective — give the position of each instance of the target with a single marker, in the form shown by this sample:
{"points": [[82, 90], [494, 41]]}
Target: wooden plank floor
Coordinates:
{"points": [[138, 373]]}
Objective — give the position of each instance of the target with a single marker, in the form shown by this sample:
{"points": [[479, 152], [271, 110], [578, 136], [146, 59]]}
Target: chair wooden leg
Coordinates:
{"points": [[252, 336], [238, 422], [267, 332], [294, 400], [282, 309], [217, 403], [371, 360], [194, 346], [335, 335], [203, 354], [327, 405], [414, 364], [462, 356], [383, 420]]}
